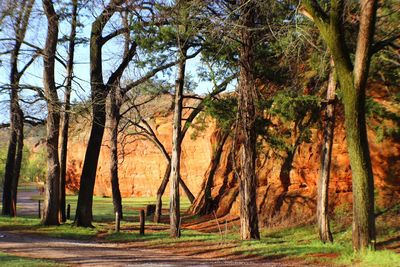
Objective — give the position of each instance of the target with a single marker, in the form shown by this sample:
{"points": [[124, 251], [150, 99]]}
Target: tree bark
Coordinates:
{"points": [[15, 145], [114, 121], [176, 149], [52, 198], [18, 161], [324, 231], [353, 83], [247, 96], [67, 107]]}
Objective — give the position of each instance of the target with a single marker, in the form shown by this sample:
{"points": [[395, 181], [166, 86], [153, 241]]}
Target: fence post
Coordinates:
{"points": [[117, 222], [39, 210], [142, 220]]}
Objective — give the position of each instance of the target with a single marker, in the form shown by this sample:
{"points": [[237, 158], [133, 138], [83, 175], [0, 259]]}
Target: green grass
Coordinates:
{"points": [[380, 258], [103, 209], [32, 225], [298, 243], [163, 238], [302, 243], [103, 214], [15, 261]]}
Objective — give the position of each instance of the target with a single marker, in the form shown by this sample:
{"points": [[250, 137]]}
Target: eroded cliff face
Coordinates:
{"points": [[142, 168], [142, 165], [277, 201]]}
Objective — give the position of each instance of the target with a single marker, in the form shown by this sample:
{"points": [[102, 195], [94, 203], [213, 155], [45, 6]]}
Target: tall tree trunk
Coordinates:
{"points": [[176, 148], [114, 121], [324, 231], [204, 203], [364, 233], [52, 198], [11, 170], [18, 161], [67, 107], [15, 145], [353, 83], [247, 96], [99, 92], [84, 215]]}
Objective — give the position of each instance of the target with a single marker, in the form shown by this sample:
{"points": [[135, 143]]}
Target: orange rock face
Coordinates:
{"points": [[142, 168], [142, 165]]}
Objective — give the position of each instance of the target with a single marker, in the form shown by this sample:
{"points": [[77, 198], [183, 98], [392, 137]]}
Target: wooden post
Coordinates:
{"points": [[117, 222], [142, 219], [68, 211], [39, 210]]}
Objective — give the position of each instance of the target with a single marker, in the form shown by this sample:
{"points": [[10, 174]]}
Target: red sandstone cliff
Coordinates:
{"points": [[143, 167]]}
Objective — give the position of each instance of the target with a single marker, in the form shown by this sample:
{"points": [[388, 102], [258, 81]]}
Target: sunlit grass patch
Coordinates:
{"points": [[380, 258], [103, 209], [15, 261], [296, 242]]}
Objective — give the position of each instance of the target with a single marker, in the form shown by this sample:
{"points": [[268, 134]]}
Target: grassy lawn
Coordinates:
{"points": [[103, 207], [14, 261], [293, 243]]}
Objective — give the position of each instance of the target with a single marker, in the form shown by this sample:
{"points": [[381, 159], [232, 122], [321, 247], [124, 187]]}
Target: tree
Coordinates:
{"points": [[186, 33], [15, 145], [67, 107], [99, 92], [174, 210], [116, 101], [52, 197], [324, 230], [352, 77], [246, 124]]}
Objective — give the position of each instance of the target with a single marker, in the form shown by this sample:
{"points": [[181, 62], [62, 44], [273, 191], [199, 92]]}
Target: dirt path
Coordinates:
{"points": [[95, 253], [82, 253], [26, 206]]}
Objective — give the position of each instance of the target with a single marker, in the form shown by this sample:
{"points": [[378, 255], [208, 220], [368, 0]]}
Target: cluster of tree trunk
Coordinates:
{"points": [[16, 141]]}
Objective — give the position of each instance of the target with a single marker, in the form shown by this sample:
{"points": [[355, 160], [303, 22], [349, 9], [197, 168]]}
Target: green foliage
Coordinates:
{"points": [[290, 107], [385, 64], [223, 110], [293, 116], [388, 122], [33, 167]]}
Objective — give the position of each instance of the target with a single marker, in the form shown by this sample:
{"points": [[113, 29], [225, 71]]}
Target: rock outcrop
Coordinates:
{"points": [[142, 167]]}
